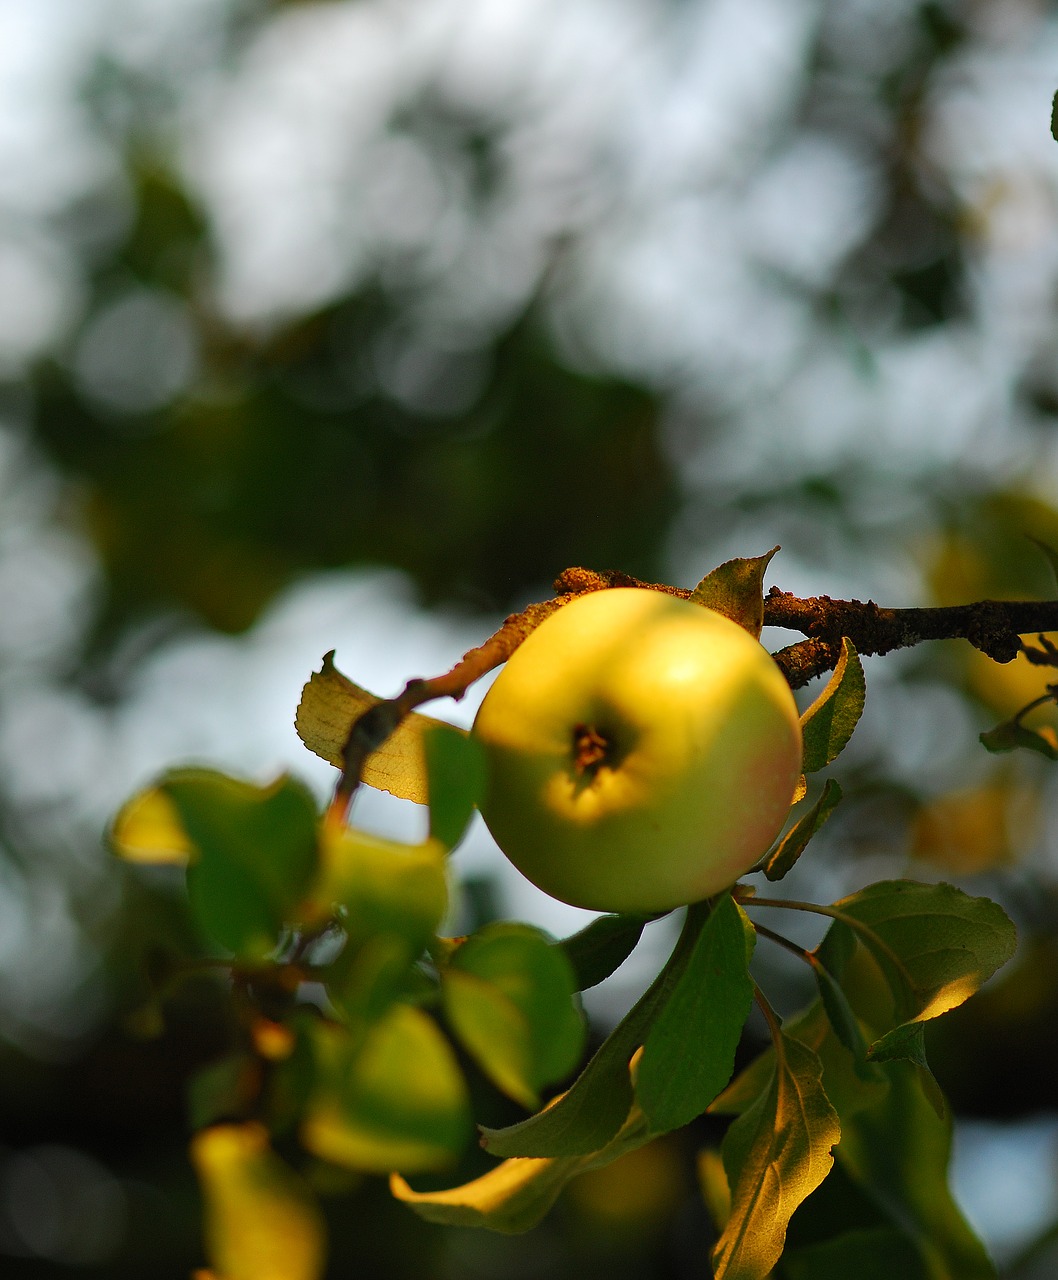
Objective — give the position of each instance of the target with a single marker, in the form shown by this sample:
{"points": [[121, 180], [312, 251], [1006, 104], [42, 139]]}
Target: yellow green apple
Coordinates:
{"points": [[642, 752]]}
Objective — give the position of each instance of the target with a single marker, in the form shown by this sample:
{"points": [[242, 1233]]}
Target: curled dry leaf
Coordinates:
{"points": [[329, 707]]}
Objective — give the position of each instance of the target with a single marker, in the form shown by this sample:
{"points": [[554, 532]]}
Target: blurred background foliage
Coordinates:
{"points": [[349, 325]]}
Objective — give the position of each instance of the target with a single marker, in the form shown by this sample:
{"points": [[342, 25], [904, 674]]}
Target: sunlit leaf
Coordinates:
{"points": [[894, 1145], [391, 898], [455, 766], [508, 995], [795, 841], [394, 1099], [828, 723], [935, 944], [1012, 734], [330, 704], [591, 1112], [712, 1182], [736, 589], [776, 1153], [261, 1221], [917, 1203], [147, 828], [515, 1195], [383, 885], [255, 854], [600, 948], [849, 1084], [689, 1051]]}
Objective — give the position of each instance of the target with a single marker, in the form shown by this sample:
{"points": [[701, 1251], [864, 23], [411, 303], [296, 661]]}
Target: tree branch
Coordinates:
{"points": [[994, 627]]}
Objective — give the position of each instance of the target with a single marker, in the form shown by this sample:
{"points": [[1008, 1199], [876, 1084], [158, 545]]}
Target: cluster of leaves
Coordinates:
{"points": [[352, 999]]}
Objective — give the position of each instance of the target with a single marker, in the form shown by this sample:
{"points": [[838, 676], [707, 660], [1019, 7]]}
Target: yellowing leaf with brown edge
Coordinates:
{"points": [[148, 829], [330, 705], [261, 1220]]}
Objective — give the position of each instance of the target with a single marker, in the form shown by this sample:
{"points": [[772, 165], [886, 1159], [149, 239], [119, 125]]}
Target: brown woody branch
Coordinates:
{"points": [[995, 627]]}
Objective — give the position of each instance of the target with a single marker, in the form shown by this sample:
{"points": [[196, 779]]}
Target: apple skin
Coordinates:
{"points": [[642, 752]]}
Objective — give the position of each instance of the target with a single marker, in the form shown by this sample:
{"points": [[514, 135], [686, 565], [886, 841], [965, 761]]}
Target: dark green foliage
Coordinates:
{"points": [[602, 947]]}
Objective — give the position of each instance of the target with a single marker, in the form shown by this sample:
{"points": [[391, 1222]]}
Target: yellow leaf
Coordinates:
{"points": [[148, 829], [331, 703], [261, 1221], [510, 1198], [517, 1193]]}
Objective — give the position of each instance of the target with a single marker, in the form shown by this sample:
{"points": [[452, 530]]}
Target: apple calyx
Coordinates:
{"points": [[592, 750]]}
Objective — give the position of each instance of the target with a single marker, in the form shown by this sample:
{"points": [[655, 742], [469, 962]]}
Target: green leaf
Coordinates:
{"points": [[908, 1043], [508, 995], [383, 886], [736, 589], [516, 1195], [602, 947], [1050, 555], [1012, 734], [898, 1152], [689, 1051], [591, 1112], [828, 723], [794, 843], [848, 1083], [839, 1011], [934, 943], [392, 1099], [894, 1146], [895, 1139], [776, 1153], [391, 898], [255, 855], [455, 766]]}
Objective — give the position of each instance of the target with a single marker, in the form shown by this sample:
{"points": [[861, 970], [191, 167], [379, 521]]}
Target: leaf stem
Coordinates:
{"points": [[764, 932], [773, 1020], [875, 941]]}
